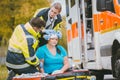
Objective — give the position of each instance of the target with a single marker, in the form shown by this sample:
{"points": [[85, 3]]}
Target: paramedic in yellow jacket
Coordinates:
{"points": [[51, 16], [22, 46]]}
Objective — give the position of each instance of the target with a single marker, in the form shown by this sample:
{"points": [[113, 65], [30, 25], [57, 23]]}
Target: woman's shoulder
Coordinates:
{"points": [[60, 46], [62, 49]]}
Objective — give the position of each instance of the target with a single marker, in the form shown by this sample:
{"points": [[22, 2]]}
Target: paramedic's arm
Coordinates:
{"points": [[66, 64]]}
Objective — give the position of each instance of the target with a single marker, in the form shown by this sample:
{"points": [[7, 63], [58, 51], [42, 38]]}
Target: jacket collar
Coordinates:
{"points": [[30, 29]]}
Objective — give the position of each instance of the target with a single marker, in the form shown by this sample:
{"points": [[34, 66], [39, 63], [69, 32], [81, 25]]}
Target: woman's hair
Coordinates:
{"points": [[58, 50], [57, 6], [37, 22]]}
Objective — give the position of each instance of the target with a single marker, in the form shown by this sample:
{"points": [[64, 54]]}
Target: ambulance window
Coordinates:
{"points": [[67, 8], [72, 3], [105, 5], [109, 5], [88, 9], [119, 1]]}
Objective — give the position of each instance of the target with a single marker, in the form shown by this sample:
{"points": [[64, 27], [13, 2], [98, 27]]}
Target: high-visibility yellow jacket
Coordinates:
{"points": [[22, 47], [43, 14]]}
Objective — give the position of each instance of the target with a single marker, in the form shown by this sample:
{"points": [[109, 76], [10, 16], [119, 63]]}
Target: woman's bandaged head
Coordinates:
{"points": [[52, 34]]}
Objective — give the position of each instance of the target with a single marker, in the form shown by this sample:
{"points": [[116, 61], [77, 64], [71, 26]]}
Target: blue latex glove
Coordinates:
{"points": [[41, 65], [48, 31]]}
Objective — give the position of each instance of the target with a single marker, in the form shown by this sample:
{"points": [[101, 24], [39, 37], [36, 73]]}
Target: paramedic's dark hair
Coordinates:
{"points": [[37, 22]]}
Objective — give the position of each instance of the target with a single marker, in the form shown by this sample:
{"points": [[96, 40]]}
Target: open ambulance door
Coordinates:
{"points": [[80, 36], [89, 57], [73, 31]]}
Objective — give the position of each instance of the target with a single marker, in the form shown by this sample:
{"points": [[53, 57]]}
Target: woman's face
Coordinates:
{"points": [[53, 41]]}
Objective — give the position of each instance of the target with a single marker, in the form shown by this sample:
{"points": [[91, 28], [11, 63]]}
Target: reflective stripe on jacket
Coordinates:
{"points": [[22, 46]]}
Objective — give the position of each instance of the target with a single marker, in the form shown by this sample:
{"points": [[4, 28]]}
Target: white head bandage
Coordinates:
{"points": [[52, 34]]}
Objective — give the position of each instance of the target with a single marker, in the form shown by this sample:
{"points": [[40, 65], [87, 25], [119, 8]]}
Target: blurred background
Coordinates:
{"points": [[14, 12]]}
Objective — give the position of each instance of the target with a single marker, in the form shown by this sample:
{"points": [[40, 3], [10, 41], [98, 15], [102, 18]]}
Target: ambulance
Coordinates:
{"points": [[93, 35]]}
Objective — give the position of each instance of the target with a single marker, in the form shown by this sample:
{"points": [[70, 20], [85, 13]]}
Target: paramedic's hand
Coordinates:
{"points": [[57, 72], [48, 31], [41, 65]]}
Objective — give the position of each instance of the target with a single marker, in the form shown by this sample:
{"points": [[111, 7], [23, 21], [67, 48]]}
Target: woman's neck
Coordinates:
{"points": [[50, 46], [52, 49]]}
